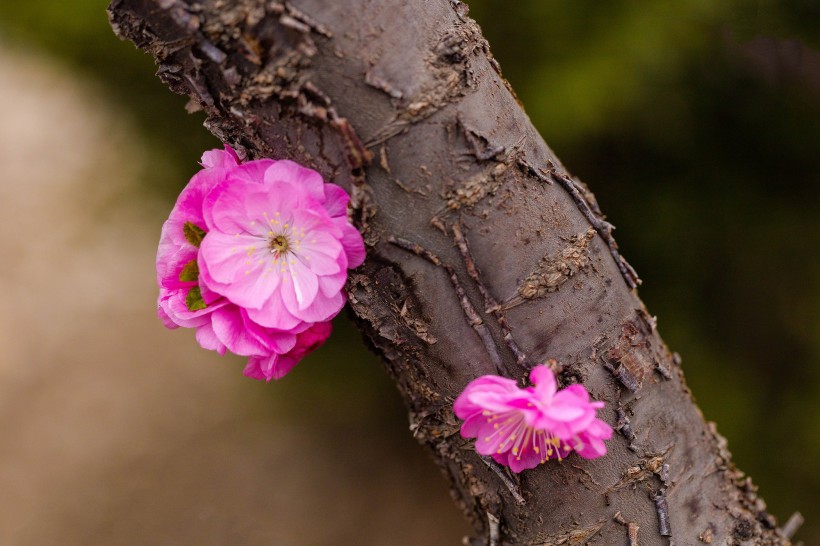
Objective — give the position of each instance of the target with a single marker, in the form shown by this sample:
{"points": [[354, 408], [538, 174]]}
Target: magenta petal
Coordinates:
{"points": [[169, 269], [252, 172], [207, 339], [465, 406], [253, 369], [566, 412], [284, 365], [229, 327], [491, 440], [353, 245], [177, 309], [524, 427], [241, 262], [472, 425], [163, 316], [336, 200], [525, 460], [544, 381], [273, 340], [273, 366]]}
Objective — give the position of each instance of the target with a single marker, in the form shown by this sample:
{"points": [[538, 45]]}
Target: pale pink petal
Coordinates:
{"points": [[322, 254], [228, 212], [274, 314], [225, 256], [316, 220], [216, 158], [323, 308], [276, 203], [292, 173], [302, 287], [332, 284]]}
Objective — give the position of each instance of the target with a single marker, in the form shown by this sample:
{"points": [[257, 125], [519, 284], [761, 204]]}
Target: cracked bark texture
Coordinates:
{"points": [[480, 254]]}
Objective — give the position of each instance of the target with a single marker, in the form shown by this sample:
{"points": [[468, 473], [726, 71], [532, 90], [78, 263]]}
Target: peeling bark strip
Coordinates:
{"points": [[553, 271], [333, 85]]}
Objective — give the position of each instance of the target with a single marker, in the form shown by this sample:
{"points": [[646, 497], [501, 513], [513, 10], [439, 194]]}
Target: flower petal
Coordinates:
{"points": [[207, 339], [274, 314], [544, 381], [229, 327], [353, 245], [305, 179], [299, 288], [336, 200], [217, 158]]}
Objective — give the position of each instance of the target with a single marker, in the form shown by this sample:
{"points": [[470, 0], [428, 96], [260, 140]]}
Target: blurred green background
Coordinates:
{"points": [[697, 125]]}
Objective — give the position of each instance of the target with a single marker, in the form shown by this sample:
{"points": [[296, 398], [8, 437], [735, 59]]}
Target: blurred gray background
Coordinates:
{"points": [[696, 123]]}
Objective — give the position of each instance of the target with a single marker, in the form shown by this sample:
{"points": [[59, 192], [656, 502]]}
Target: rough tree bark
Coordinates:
{"points": [[484, 256]]}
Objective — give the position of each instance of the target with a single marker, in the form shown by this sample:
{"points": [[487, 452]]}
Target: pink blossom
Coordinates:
{"points": [[277, 365], [274, 344], [522, 428], [182, 301], [275, 248]]}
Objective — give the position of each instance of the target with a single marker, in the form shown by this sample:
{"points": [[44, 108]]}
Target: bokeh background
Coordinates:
{"points": [[696, 123]]}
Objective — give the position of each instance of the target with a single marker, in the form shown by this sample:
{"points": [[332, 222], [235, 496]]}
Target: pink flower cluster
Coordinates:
{"points": [[522, 428], [254, 256]]}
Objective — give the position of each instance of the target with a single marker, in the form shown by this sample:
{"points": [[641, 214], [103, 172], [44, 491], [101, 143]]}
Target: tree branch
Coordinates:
{"points": [[335, 85]]}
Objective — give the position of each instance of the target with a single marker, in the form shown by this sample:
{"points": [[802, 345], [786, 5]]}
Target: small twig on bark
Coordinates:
{"points": [[662, 506], [501, 473], [489, 301], [622, 374], [632, 533], [494, 525], [473, 318], [664, 474], [631, 528], [623, 423], [793, 524]]}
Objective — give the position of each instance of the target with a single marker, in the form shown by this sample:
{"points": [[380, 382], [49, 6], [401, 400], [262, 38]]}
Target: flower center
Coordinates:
{"points": [[279, 245]]}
